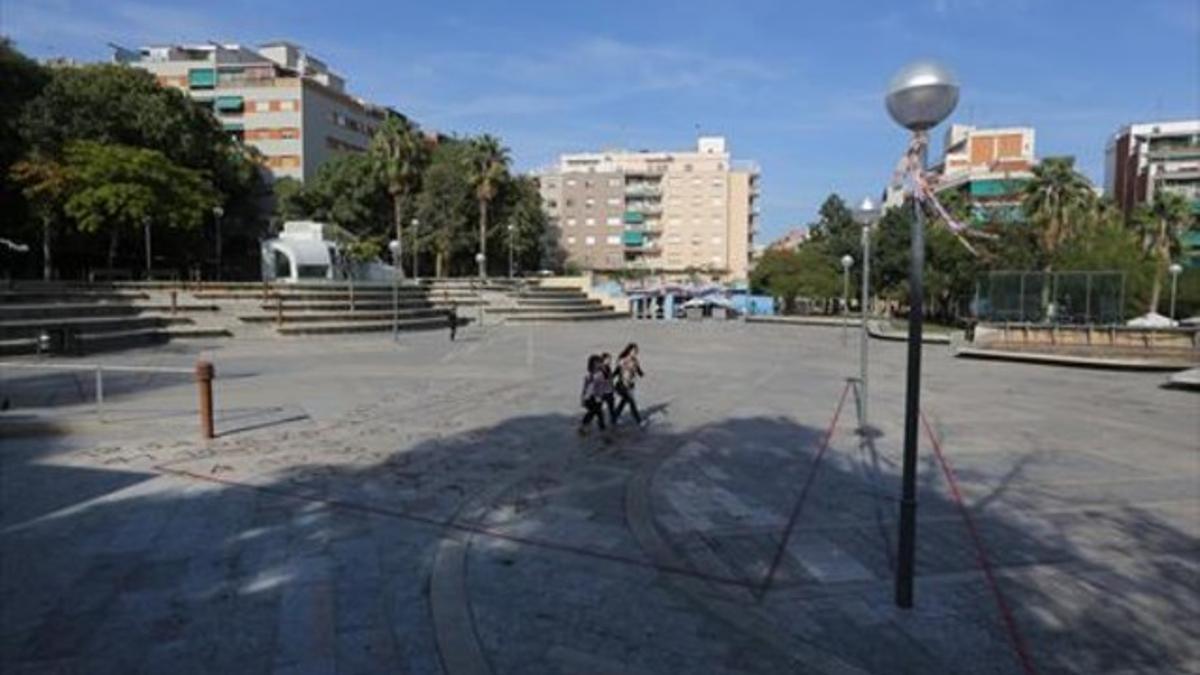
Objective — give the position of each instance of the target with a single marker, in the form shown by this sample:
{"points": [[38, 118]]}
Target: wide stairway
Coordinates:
{"points": [[324, 308], [534, 302], [73, 320]]}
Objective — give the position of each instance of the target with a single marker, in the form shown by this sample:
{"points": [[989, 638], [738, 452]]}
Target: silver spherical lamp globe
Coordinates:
{"points": [[921, 95]]}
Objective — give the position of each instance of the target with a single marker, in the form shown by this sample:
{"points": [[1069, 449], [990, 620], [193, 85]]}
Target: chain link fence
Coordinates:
{"points": [[1070, 298]]}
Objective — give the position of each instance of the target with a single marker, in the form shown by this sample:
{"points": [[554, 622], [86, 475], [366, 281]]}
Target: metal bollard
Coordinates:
{"points": [[278, 309], [204, 378], [100, 393], [174, 301]]}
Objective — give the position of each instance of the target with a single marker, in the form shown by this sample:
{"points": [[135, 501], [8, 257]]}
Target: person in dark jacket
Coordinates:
{"points": [[629, 369]]}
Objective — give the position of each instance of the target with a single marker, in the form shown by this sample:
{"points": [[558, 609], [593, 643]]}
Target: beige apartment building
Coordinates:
{"points": [[667, 212], [277, 98]]}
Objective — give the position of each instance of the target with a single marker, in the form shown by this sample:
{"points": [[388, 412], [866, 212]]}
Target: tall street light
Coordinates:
{"points": [[217, 213], [415, 223], [1174, 269], [847, 263], [919, 97], [394, 247], [865, 215]]}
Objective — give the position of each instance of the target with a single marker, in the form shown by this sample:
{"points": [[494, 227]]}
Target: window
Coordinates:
{"points": [[687, 168], [590, 221], [614, 182], [571, 182], [570, 222], [716, 240], [717, 182], [614, 240], [590, 241], [551, 203], [614, 201], [587, 184], [568, 202], [570, 240], [716, 201], [589, 202], [613, 220]]}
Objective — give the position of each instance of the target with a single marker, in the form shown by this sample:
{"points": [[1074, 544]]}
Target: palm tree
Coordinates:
{"points": [[489, 165], [1160, 224], [402, 153], [1055, 199]]}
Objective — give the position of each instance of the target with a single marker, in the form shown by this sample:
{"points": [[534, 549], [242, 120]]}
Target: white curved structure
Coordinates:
{"points": [[309, 251], [301, 252]]}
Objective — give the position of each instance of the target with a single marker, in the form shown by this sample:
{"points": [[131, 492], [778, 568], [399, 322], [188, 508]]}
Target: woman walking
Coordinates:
{"points": [[605, 388], [629, 369], [590, 398]]}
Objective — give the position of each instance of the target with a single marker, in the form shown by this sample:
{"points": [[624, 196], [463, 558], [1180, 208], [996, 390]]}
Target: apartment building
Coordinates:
{"points": [[663, 211], [989, 168], [276, 97], [1141, 159]]}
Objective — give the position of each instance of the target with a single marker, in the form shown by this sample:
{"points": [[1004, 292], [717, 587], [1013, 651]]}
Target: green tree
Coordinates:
{"points": [[489, 166], [1161, 223], [401, 153], [520, 206], [116, 188], [1058, 200], [788, 275], [44, 185], [21, 79], [293, 201], [446, 205]]}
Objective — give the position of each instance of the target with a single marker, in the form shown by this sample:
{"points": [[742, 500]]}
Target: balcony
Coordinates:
{"points": [[643, 189], [202, 78], [634, 218]]}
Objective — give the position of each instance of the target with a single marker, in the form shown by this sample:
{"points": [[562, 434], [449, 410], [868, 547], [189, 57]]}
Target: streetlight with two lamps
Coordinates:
{"points": [[919, 97]]}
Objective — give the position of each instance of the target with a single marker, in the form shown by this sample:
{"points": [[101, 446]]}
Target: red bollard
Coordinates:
{"points": [[204, 378]]}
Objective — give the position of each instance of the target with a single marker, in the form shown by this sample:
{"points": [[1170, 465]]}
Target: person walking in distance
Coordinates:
{"points": [[452, 319], [629, 369], [590, 397]]}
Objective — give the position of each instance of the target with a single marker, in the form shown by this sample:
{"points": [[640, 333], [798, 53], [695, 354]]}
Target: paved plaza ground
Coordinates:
{"points": [[427, 507]]}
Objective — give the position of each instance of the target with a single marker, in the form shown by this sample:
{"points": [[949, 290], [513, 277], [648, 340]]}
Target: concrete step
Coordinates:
{"points": [[558, 309], [555, 302], [314, 317], [367, 305], [87, 325], [330, 328], [559, 316], [290, 295], [67, 310], [67, 296]]}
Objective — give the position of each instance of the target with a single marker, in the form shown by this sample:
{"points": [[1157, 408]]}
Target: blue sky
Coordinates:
{"points": [[796, 86]]}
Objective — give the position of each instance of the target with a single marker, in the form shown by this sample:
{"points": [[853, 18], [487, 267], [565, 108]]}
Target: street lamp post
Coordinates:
{"points": [[1174, 269], [394, 247], [415, 223], [217, 213], [847, 263], [919, 97], [865, 215], [511, 228]]}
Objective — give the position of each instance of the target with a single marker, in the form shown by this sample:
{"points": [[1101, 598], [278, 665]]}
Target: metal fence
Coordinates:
{"points": [[1071, 298]]}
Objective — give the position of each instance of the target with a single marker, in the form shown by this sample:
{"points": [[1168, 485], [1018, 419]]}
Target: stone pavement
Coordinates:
{"points": [[427, 507]]}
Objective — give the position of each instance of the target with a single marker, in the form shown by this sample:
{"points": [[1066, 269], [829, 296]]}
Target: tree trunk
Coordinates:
{"points": [[1162, 253], [47, 257], [483, 218], [114, 236], [398, 216]]}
